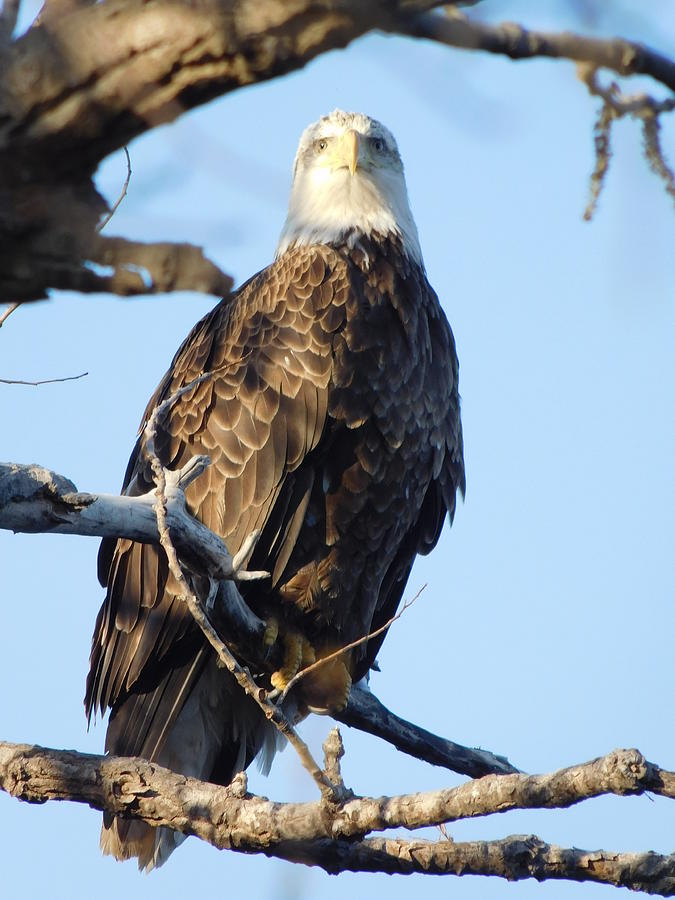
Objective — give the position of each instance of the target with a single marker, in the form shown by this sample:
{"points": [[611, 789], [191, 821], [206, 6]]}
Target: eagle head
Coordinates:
{"points": [[348, 182]]}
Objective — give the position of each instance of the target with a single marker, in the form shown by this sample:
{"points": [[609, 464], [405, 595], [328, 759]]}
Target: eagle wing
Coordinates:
{"points": [[263, 411], [294, 360]]}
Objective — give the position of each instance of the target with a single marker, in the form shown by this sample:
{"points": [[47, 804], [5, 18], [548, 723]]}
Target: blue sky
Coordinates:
{"points": [[545, 631]]}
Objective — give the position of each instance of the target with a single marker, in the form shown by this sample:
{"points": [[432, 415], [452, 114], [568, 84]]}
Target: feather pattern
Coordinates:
{"points": [[331, 417]]}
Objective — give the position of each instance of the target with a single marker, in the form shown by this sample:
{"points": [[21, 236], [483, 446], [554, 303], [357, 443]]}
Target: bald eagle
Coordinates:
{"points": [[331, 417]]}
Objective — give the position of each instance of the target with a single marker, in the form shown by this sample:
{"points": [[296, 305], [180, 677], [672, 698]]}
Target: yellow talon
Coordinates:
{"points": [[292, 658]]}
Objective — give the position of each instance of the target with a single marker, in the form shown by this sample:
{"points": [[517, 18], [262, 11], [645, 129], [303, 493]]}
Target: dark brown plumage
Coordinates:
{"points": [[332, 423]]}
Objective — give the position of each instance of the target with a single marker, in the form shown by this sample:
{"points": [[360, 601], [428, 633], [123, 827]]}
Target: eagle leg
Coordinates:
{"points": [[271, 632], [326, 689], [292, 642]]}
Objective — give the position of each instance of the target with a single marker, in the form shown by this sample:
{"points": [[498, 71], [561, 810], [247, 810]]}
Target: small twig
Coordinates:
{"points": [[603, 152], [616, 105], [273, 713], [8, 312], [651, 127], [333, 751], [101, 225], [331, 656], [622, 104], [44, 381]]}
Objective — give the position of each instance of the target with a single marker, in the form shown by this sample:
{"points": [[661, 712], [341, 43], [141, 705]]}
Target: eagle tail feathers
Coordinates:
{"points": [[216, 734]]}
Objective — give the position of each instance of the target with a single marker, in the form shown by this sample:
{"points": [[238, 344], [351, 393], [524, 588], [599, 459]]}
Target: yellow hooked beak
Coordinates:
{"points": [[347, 151]]}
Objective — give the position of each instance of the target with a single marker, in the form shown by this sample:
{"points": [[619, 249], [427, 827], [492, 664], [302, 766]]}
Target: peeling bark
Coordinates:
{"points": [[332, 834]]}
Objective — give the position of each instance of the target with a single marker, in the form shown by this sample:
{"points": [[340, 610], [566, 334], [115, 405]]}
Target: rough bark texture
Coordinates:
{"points": [[89, 77], [332, 834], [512, 40]]}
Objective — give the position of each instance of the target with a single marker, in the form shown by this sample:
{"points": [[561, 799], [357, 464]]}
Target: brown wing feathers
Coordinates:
{"points": [[332, 423], [264, 409]]}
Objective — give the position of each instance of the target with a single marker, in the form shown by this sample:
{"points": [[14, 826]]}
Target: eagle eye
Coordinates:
{"points": [[378, 144], [321, 145]]}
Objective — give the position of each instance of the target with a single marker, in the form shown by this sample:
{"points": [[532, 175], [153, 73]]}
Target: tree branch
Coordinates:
{"points": [[332, 837], [89, 77], [49, 239], [136, 64], [366, 713], [509, 39], [514, 858], [34, 500]]}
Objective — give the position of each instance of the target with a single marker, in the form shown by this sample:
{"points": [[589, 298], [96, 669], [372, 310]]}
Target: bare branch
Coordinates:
{"points": [[333, 751], [513, 858], [35, 500], [331, 836], [96, 92], [48, 239], [603, 152], [365, 712], [651, 128], [8, 312], [615, 105], [113, 209], [342, 650], [139, 268], [511, 40], [44, 380]]}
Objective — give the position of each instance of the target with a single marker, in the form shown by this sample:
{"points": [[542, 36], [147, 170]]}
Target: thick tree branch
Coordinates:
{"points": [[330, 836], [49, 239], [514, 858], [89, 77], [366, 713], [136, 64], [509, 39], [35, 500]]}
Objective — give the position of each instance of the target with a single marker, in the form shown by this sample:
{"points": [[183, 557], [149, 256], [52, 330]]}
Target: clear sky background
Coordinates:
{"points": [[546, 628]]}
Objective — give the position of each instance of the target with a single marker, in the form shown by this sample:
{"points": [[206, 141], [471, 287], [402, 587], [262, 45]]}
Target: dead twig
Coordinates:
{"points": [[603, 152], [651, 133], [113, 209], [616, 105], [516, 42], [44, 380], [362, 640], [8, 312]]}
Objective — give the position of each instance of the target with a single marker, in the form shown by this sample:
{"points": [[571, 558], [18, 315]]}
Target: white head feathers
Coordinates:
{"points": [[348, 181]]}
